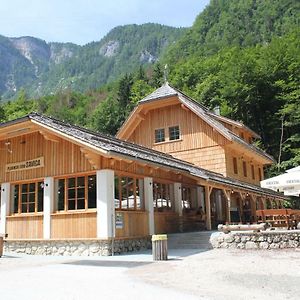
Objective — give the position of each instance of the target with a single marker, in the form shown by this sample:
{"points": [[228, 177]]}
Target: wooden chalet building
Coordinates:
{"points": [[171, 157]]}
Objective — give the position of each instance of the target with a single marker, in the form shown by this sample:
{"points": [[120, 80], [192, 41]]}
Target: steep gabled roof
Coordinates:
{"points": [[167, 91], [118, 148]]}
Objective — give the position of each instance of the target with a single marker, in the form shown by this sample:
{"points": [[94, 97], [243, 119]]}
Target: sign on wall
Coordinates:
{"points": [[25, 165], [119, 220]]}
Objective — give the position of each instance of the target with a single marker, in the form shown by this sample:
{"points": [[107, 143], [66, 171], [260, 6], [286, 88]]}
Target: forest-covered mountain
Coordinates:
{"points": [[236, 23], [43, 68], [240, 55]]}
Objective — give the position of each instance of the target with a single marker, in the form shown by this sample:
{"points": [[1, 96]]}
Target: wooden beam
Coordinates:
{"points": [[92, 158], [184, 107], [49, 137], [208, 190]]}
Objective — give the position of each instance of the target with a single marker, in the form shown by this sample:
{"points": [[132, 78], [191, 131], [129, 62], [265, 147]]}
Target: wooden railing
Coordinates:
{"points": [[282, 217]]}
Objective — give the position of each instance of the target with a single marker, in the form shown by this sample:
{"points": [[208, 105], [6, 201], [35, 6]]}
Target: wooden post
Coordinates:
{"points": [[5, 206], [227, 194], [160, 247], [253, 206], [208, 190], [241, 203], [148, 193]]}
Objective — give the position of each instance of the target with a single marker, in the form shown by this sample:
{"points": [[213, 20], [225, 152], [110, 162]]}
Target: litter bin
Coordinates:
{"points": [[1, 245], [160, 247]]}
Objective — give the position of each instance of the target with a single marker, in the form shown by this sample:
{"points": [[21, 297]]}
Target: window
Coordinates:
{"points": [[235, 167], [161, 196], [252, 172], [174, 133], [76, 193], [245, 169], [159, 135], [129, 193], [260, 174], [28, 197], [186, 198]]}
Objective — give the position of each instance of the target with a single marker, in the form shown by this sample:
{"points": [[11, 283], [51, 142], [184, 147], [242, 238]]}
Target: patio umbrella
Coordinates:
{"points": [[289, 182]]}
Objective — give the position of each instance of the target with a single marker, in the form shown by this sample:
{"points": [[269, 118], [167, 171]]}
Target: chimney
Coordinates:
{"points": [[217, 110]]}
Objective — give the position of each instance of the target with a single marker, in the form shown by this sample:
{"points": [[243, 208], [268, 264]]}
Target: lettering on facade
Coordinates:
{"points": [[25, 165]]}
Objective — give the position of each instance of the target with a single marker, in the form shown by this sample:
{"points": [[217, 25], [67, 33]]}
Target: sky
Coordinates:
{"points": [[83, 21]]}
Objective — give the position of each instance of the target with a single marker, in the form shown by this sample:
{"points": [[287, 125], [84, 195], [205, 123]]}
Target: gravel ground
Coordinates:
{"points": [[215, 274]]}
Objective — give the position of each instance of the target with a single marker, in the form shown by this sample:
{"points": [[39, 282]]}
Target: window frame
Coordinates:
{"points": [[252, 172], [165, 190], [245, 169], [235, 166], [38, 186], [177, 132], [67, 188], [158, 137], [135, 188]]}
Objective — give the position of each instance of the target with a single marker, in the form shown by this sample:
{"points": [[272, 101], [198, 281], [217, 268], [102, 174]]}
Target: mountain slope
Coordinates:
{"points": [[44, 68], [244, 23]]}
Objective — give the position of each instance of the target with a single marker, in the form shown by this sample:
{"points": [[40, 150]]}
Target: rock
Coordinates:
{"points": [[229, 238], [263, 245], [251, 245]]}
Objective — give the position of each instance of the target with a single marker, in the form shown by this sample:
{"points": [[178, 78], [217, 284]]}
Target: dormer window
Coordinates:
{"points": [[174, 133], [159, 135]]}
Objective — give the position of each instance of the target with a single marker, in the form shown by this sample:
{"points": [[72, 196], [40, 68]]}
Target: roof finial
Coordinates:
{"points": [[166, 73]]}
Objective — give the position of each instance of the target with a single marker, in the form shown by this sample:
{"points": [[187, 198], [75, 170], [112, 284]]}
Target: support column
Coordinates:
{"points": [[227, 194], [178, 198], [200, 197], [148, 192], [5, 205], [48, 205], [105, 204], [208, 190]]}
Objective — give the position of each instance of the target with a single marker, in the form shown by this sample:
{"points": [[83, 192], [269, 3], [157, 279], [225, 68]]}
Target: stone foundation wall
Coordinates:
{"points": [[256, 240], [77, 247]]}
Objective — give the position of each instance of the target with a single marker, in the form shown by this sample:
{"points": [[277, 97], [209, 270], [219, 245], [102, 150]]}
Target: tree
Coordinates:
{"points": [[108, 117], [157, 77], [124, 90]]}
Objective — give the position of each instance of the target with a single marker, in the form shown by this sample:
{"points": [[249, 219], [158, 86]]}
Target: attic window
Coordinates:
{"points": [[174, 133], [159, 135]]}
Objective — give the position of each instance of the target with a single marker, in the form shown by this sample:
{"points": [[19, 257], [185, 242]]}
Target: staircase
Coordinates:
{"points": [[190, 240]]}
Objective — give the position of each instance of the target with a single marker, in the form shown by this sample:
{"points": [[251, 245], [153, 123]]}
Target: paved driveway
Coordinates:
{"points": [[215, 274]]}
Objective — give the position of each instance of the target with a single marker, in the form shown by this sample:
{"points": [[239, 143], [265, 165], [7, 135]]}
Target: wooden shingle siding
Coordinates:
{"points": [[210, 158], [250, 163]]}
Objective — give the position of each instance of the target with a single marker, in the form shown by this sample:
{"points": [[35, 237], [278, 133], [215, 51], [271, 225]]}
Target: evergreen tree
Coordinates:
{"points": [[124, 90], [158, 76]]}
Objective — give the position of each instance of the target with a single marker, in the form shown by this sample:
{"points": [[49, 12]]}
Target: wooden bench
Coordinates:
{"points": [[276, 217]]}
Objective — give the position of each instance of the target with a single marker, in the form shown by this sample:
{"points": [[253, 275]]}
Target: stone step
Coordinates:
{"points": [[190, 240]]}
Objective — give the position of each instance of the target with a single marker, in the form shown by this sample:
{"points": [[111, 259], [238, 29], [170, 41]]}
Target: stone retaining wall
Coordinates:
{"points": [[257, 240], [77, 247]]}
